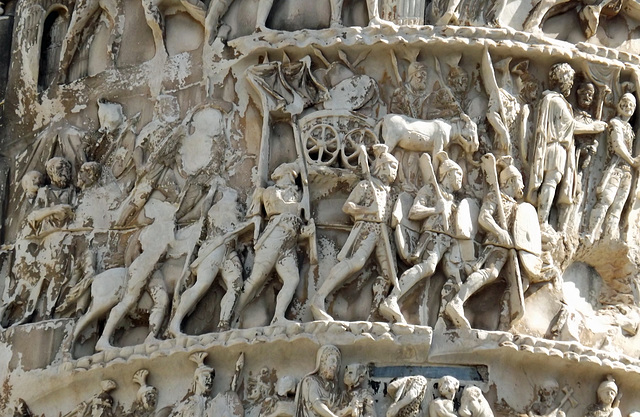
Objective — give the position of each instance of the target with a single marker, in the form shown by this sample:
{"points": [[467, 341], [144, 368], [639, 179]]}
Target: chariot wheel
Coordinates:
{"points": [[350, 150], [322, 145]]}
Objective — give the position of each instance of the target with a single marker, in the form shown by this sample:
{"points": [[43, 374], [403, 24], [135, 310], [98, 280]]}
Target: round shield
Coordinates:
{"points": [[527, 238]]}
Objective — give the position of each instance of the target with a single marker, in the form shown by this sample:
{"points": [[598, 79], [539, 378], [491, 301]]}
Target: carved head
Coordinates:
{"points": [[147, 395], [385, 167], [511, 182], [448, 386], [203, 375], [530, 91], [449, 172], [473, 403], [89, 174], [469, 134], [285, 174], [627, 105], [585, 94], [548, 390], [354, 374], [167, 108], [31, 182], [110, 116], [458, 80], [328, 361], [561, 77], [208, 121], [59, 172], [418, 76], [607, 391]]}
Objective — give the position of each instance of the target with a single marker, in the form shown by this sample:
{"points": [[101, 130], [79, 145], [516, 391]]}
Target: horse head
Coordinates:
{"points": [[467, 133]]}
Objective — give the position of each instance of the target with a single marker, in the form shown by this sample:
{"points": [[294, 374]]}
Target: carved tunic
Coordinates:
{"points": [[489, 212], [409, 102], [554, 146], [315, 388]]}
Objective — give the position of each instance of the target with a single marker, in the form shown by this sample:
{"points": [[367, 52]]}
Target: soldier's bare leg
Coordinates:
{"points": [[263, 264], [287, 269], [454, 310], [547, 194], [232, 279], [612, 224], [425, 269], [138, 275], [159, 296], [205, 275], [336, 13], [264, 8], [340, 273], [217, 10]]}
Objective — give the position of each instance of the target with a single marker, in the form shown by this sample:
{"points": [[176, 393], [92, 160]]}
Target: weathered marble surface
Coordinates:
{"points": [[336, 208]]}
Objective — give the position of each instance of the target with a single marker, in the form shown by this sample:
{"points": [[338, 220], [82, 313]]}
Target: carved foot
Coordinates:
{"points": [[224, 325], [390, 310], [281, 321], [376, 22], [455, 312], [103, 345], [319, 313]]}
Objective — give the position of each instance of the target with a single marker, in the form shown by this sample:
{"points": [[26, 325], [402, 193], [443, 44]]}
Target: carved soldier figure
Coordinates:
{"points": [[217, 255], [586, 145], [360, 399], [53, 205], [608, 399], [474, 404], [554, 161], [615, 185], [370, 205], [545, 404], [277, 246], [197, 404], [435, 206], [146, 396], [407, 393], [497, 217], [409, 99], [318, 394], [101, 405], [443, 406]]}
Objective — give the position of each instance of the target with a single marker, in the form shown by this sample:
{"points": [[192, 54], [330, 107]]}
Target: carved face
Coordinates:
{"points": [[585, 95], [329, 365], [458, 80], [514, 187], [607, 394], [387, 171], [418, 80], [59, 171], [353, 375], [453, 179], [31, 182], [204, 382], [626, 105], [88, 175], [447, 387], [150, 399]]}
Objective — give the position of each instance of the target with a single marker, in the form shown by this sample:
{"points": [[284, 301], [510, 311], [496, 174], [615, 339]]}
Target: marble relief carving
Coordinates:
{"points": [[337, 208]]}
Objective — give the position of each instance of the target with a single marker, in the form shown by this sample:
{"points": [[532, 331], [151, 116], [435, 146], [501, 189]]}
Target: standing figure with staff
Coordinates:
{"points": [[435, 206], [370, 205], [510, 232], [277, 246], [615, 186]]}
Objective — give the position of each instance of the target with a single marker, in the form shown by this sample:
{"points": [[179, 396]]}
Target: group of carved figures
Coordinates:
{"points": [[320, 394], [414, 205], [440, 12]]}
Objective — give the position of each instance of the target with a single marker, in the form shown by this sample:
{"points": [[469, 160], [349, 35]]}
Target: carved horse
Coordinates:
{"points": [[433, 136]]}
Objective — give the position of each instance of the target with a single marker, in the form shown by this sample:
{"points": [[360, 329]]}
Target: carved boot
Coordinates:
{"points": [[390, 310], [454, 311]]}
